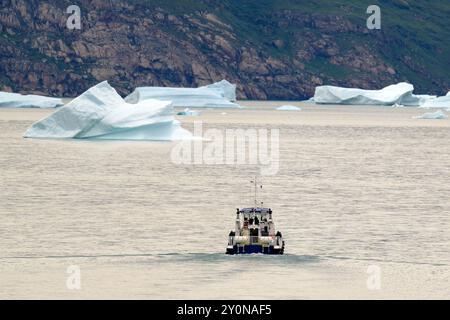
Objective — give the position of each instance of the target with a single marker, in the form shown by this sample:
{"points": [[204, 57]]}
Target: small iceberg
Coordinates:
{"points": [[224, 88], [288, 108], [438, 115], [401, 94], [16, 100], [189, 112], [310, 100], [101, 113], [217, 95]]}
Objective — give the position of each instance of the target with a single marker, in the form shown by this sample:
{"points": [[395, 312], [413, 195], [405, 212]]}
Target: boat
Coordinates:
{"points": [[255, 232]]}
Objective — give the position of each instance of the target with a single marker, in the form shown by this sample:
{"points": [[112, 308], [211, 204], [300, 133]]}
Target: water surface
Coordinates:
{"points": [[357, 186]]}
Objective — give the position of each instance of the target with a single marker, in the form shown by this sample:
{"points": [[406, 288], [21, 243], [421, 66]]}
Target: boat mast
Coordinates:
{"points": [[255, 182]]}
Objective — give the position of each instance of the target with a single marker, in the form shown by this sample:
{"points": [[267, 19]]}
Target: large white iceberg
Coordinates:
{"points": [[438, 115], [217, 95], [16, 100], [100, 113], [401, 94]]}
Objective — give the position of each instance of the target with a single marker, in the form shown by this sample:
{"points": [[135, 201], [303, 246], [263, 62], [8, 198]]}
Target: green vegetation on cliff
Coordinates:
{"points": [[273, 49]]}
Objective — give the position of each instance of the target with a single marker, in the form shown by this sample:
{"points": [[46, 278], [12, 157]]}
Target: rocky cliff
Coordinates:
{"points": [[271, 49]]}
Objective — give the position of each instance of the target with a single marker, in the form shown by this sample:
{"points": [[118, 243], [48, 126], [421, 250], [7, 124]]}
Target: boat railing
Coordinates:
{"points": [[247, 240]]}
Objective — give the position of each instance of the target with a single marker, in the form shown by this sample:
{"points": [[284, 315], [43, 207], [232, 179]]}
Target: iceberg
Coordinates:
{"points": [[101, 113], [289, 108], [16, 100], [416, 100], [225, 88], [310, 100], [216, 95], [438, 115], [189, 112], [401, 94], [439, 102]]}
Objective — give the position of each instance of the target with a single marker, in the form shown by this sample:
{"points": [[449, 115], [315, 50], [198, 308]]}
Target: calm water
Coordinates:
{"points": [[357, 187]]}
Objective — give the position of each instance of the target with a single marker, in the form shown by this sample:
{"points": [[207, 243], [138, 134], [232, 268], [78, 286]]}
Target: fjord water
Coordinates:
{"points": [[357, 187]]}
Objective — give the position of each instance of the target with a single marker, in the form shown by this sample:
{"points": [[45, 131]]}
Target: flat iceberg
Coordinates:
{"points": [[101, 113], [16, 100], [438, 115], [189, 112], [217, 95], [289, 108], [400, 94]]}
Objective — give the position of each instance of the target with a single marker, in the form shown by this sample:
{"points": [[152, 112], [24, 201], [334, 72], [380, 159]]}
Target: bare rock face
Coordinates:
{"points": [[282, 54]]}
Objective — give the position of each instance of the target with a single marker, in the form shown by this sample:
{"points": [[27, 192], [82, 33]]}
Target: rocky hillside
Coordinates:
{"points": [[272, 49]]}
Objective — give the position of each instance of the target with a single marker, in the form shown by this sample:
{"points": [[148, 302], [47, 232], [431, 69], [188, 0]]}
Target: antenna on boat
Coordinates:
{"points": [[255, 183]]}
